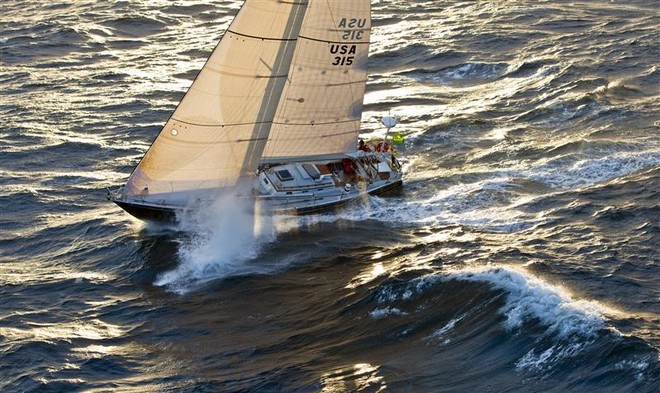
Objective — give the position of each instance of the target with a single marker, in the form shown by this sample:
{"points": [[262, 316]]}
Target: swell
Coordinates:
{"points": [[516, 319]]}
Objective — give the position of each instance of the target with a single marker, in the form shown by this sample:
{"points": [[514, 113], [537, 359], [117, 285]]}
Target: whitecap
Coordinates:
{"points": [[381, 313], [569, 172], [571, 325], [528, 299]]}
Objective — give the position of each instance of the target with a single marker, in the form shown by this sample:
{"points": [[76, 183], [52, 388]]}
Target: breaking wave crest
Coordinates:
{"points": [[528, 298], [562, 327]]}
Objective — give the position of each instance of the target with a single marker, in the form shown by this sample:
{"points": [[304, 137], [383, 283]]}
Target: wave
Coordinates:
{"points": [[462, 74], [551, 328], [135, 26], [574, 171], [529, 299]]}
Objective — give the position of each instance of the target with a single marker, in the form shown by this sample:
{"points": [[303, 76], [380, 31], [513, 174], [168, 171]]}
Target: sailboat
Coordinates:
{"points": [[274, 112]]}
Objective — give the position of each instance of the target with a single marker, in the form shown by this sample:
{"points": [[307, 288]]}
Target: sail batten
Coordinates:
{"points": [[262, 37], [216, 125], [316, 124]]}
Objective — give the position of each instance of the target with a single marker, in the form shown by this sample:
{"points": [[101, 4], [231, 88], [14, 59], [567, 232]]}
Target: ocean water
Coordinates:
{"points": [[522, 254]]}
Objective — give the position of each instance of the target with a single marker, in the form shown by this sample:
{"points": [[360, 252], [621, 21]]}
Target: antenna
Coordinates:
{"points": [[389, 122]]}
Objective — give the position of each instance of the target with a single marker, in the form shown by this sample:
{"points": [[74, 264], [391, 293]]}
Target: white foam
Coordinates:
{"points": [[546, 359], [486, 204], [528, 298], [475, 71], [441, 333], [386, 294], [638, 366], [224, 237], [570, 172], [381, 313], [493, 200]]}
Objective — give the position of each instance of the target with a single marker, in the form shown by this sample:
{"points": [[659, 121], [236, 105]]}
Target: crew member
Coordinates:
{"points": [[382, 146], [363, 146]]}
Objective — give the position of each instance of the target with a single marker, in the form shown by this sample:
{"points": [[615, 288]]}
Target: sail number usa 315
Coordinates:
{"points": [[352, 29]]}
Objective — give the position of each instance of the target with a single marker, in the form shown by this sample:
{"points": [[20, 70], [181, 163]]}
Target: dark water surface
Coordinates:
{"points": [[521, 256]]}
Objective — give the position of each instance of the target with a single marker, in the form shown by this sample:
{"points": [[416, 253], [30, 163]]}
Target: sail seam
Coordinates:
{"points": [[264, 122], [333, 42], [347, 83], [221, 125], [250, 76], [315, 123], [262, 38]]}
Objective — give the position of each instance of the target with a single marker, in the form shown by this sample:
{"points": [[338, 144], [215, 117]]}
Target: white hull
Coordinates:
{"points": [[292, 188]]}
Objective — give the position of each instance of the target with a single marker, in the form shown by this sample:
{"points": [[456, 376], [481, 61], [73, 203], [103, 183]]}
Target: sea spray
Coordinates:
{"points": [[223, 238]]}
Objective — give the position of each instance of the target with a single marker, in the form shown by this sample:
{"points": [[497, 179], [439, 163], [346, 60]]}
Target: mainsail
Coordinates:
{"points": [[321, 106], [286, 81]]}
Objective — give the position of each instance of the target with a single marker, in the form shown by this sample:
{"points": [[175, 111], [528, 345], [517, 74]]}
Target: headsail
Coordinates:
{"points": [[321, 106], [285, 82], [218, 131]]}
